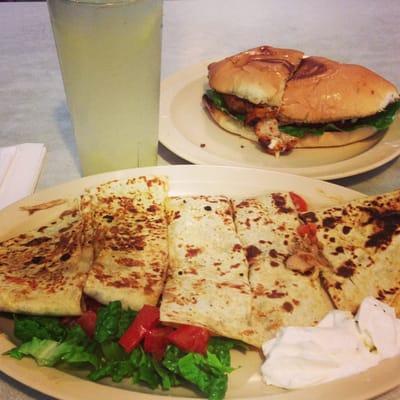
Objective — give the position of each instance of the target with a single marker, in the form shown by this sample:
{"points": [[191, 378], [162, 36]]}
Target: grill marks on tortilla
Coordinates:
{"points": [[43, 271], [207, 282], [130, 240], [267, 228], [361, 243]]}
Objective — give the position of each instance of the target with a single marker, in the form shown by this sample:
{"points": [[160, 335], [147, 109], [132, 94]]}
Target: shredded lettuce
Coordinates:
{"points": [[48, 352], [28, 327], [51, 343], [380, 121], [112, 321]]}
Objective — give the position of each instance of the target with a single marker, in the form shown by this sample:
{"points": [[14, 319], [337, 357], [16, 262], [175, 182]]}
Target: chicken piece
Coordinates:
{"points": [[272, 139]]}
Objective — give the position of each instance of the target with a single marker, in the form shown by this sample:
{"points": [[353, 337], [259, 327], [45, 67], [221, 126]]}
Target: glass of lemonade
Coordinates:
{"points": [[109, 53]]}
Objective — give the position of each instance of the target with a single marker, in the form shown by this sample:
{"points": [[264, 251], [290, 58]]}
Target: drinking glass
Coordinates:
{"points": [[109, 54]]}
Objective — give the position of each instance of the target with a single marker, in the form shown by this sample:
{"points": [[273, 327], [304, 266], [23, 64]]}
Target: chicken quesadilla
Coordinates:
{"points": [[240, 268], [130, 242], [360, 246], [284, 292], [207, 282], [43, 271]]}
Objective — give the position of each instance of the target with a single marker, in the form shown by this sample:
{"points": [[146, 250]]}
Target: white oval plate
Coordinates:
{"points": [[186, 130], [245, 382]]}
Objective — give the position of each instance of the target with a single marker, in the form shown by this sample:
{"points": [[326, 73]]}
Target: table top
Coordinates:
{"points": [[32, 101]]}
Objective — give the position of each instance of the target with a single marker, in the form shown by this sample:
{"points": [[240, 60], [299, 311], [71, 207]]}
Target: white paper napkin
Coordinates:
{"points": [[20, 167]]}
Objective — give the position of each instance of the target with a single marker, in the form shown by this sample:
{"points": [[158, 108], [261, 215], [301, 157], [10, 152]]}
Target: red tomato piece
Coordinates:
{"points": [[87, 321], [308, 229], [299, 202], [147, 318], [190, 338], [156, 341]]}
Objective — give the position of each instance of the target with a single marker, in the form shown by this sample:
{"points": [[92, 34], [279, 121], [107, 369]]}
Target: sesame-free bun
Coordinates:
{"points": [[327, 139], [322, 90], [258, 75]]}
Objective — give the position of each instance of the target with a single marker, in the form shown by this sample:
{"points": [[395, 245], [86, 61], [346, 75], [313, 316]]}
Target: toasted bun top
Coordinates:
{"points": [[322, 90], [258, 75]]}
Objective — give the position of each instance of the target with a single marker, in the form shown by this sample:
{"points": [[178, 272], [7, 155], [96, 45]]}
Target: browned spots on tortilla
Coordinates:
{"points": [[192, 251], [275, 294], [237, 247], [287, 306], [346, 269], [252, 251], [42, 206], [130, 262]]}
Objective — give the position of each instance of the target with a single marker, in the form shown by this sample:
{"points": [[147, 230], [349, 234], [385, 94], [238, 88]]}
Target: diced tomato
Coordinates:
{"points": [[87, 321], [299, 202], [308, 229], [156, 341], [190, 338], [147, 318]]}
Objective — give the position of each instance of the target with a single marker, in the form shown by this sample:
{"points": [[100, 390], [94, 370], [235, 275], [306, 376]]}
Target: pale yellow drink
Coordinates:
{"points": [[109, 54]]}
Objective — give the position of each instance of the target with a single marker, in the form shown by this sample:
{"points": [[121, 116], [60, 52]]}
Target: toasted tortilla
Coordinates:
{"points": [[43, 271], [207, 283], [129, 233], [267, 228], [360, 242]]}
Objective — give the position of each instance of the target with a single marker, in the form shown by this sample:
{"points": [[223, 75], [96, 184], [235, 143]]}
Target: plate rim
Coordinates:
{"points": [[174, 83], [65, 386]]}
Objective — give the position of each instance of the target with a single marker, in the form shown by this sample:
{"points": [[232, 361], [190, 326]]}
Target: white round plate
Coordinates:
{"points": [[187, 130], [245, 382]]}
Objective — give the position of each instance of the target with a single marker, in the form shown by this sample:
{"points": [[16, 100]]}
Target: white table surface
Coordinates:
{"points": [[32, 102]]}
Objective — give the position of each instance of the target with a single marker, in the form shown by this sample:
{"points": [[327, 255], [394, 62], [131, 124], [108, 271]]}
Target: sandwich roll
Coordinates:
{"points": [[258, 75], [322, 90]]}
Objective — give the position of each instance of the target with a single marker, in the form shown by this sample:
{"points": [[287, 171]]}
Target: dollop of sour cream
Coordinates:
{"points": [[339, 346]]}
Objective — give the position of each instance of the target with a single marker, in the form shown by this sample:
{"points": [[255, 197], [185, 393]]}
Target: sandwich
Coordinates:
{"points": [[283, 100]]}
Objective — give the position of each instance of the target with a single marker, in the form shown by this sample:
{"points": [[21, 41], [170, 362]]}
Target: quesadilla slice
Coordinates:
{"points": [[129, 230], [284, 291], [43, 271], [207, 283], [360, 244]]}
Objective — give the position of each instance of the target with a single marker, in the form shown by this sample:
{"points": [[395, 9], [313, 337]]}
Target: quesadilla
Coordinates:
{"points": [[129, 234], [43, 271], [207, 283], [283, 291], [360, 245]]}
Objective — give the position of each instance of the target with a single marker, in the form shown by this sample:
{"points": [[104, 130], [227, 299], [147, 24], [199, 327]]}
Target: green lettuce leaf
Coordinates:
{"points": [[380, 121], [28, 327], [112, 351], [206, 372], [222, 347], [112, 321], [118, 370], [48, 352]]}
